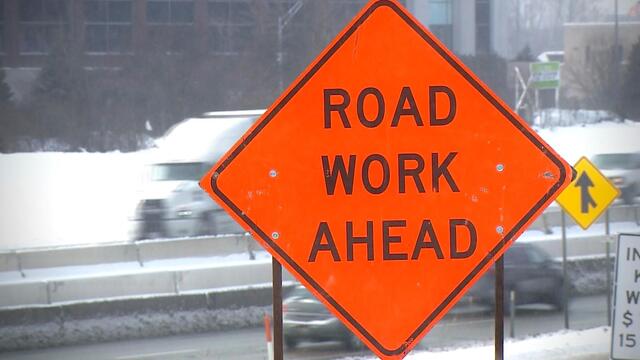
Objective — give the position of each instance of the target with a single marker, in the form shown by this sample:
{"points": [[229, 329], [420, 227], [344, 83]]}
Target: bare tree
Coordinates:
{"points": [[590, 80]]}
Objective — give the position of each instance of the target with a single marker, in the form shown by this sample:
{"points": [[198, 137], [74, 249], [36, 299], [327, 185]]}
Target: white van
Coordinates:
{"points": [[172, 204]]}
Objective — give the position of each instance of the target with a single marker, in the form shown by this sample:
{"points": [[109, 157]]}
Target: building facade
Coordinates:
{"points": [[468, 27], [107, 30], [106, 33]]}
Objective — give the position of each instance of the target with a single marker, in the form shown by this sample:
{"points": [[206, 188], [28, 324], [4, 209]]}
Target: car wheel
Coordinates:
{"points": [[556, 296], [290, 342], [352, 342]]}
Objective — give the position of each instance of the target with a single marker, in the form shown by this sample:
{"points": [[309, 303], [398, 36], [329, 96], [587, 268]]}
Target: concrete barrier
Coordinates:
{"points": [[9, 261], [579, 246], [77, 256], [552, 217], [112, 286], [257, 272], [151, 250], [23, 294]]}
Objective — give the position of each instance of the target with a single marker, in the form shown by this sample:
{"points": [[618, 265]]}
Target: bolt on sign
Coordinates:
{"points": [[588, 195], [387, 178], [625, 331]]}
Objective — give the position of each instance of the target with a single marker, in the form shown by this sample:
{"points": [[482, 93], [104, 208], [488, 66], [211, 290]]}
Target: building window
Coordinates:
{"points": [[108, 26], [170, 11], [440, 20], [43, 23], [231, 26], [483, 26], [170, 24]]}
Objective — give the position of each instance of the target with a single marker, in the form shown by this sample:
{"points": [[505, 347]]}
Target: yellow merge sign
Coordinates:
{"points": [[588, 195]]}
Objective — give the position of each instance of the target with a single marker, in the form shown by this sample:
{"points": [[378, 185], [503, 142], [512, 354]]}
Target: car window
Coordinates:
{"points": [[537, 256], [614, 161], [177, 171], [516, 256]]}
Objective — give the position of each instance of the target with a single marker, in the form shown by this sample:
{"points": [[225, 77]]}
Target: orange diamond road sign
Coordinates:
{"points": [[387, 178]]}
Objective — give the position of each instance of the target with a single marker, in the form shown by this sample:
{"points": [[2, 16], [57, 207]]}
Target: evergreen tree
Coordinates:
{"points": [[630, 96], [525, 54], [60, 99]]}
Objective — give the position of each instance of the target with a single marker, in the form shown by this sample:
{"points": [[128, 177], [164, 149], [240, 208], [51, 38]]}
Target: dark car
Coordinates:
{"points": [[307, 319], [528, 271]]}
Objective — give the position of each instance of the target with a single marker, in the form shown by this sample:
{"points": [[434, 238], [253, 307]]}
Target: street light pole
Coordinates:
{"points": [[283, 21], [616, 52]]}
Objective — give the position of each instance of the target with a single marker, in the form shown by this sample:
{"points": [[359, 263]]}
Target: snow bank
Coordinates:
{"points": [[51, 199], [564, 345], [128, 327], [606, 137]]}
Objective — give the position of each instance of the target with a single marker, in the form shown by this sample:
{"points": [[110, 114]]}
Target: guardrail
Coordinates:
{"points": [[145, 283], [140, 252], [551, 217], [140, 278]]}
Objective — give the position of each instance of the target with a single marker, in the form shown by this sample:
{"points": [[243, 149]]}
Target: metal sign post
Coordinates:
{"points": [[565, 283], [608, 266], [499, 319], [276, 271]]}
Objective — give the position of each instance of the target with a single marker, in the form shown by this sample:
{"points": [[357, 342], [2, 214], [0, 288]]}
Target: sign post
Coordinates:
{"points": [[625, 331], [387, 178], [585, 199], [278, 338]]}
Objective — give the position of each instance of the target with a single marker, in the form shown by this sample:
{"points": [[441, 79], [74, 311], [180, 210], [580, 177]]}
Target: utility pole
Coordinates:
{"points": [[616, 53]]}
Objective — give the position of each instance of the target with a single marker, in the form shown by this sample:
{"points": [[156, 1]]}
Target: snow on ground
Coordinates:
{"points": [[574, 142], [51, 199], [67, 198], [592, 344]]}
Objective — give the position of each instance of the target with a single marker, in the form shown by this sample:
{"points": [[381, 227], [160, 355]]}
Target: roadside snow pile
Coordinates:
{"points": [[52, 199], [589, 344], [606, 137], [136, 326]]}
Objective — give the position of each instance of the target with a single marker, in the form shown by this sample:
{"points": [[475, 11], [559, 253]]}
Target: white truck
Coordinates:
{"points": [[623, 169], [172, 204]]}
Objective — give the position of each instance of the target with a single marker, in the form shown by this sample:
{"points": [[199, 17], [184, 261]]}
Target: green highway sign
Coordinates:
{"points": [[545, 75]]}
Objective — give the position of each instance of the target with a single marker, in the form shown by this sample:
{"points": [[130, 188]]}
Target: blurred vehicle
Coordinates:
{"points": [[307, 319], [623, 169], [172, 203], [530, 272]]}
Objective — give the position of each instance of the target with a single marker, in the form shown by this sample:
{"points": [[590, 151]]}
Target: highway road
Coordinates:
{"points": [[456, 330]]}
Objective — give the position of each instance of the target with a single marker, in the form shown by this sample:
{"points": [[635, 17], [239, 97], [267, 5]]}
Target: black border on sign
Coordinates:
{"points": [[615, 294], [310, 73], [604, 208]]}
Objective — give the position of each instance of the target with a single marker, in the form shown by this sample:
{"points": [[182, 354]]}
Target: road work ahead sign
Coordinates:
{"points": [[387, 178], [589, 195]]}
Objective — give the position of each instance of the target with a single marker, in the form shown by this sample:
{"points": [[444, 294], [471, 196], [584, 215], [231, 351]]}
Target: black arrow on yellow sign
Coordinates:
{"points": [[584, 183]]}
